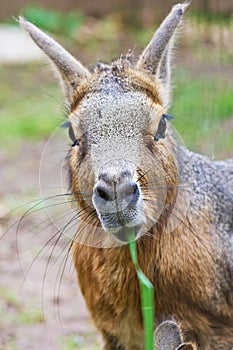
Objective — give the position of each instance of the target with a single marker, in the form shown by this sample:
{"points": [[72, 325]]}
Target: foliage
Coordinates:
{"points": [[14, 311], [29, 109], [54, 21], [74, 342], [202, 106], [211, 18]]}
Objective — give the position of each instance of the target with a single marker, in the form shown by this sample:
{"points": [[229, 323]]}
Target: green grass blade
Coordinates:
{"points": [[147, 295]]}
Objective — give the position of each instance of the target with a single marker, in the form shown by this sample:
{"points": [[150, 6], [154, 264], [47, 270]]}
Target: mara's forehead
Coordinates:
{"points": [[113, 124], [114, 112], [115, 107], [117, 98]]}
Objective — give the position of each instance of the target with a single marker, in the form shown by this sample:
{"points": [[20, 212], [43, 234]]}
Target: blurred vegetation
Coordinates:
{"points": [[211, 18], [16, 312], [55, 21], [29, 109], [52, 20], [202, 106], [203, 81], [74, 342]]}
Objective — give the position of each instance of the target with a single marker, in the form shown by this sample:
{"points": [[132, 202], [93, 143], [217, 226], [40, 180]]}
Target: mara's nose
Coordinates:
{"points": [[128, 192], [122, 190], [117, 200]]}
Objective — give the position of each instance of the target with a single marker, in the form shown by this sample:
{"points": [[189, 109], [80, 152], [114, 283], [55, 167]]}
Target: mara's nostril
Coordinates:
{"points": [[131, 192], [102, 193], [127, 193], [135, 191]]}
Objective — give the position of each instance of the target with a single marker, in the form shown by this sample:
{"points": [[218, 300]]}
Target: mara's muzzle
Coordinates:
{"points": [[118, 200]]}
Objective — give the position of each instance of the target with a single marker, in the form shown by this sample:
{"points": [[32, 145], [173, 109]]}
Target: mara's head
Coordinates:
{"points": [[122, 164]]}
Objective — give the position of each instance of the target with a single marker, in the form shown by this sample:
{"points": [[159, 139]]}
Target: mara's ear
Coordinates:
{"points": [[167, 336], [155, 59], [73, 73]]}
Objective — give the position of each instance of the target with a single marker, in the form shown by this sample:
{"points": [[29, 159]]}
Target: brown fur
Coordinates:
{"points": [[171, 262], [131, 80]]}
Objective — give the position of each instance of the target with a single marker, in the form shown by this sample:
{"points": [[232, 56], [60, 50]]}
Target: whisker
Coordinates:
{"points": [[60, 273], [59, 232], [43, 200], [146, 187]]}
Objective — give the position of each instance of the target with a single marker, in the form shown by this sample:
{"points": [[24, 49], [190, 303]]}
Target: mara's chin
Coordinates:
{"points": [[121, 223], [122, 232]]}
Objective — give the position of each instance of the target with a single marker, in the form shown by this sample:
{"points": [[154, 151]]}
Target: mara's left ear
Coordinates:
{"points": [[168, 337], [155, 59], [73, 73]]}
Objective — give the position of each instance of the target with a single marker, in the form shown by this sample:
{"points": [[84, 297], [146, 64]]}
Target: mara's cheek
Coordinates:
{"points": [[82, 178]]}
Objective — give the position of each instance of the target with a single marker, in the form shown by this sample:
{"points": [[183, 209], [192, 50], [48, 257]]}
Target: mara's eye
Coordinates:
{"points": [[71, 133], [73, 137], [160, 133], [75, 143]]}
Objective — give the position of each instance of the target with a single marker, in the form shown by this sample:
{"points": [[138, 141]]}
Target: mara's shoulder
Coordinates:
{"points": [[225, 168], [205, 173], [209, 185]]}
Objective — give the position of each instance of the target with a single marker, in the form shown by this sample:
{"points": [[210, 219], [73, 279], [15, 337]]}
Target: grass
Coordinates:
{"points": [[16, 312], [29, 104], [74, 342], [201, 106], [211, 18], [53, 21]]}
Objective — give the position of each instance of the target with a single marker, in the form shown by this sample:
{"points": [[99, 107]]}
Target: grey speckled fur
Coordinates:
{"points": [[212, 182]]}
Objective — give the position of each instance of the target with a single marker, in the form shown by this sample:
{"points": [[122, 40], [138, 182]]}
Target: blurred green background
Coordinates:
{"points": [[31, 101], [31, 108]]}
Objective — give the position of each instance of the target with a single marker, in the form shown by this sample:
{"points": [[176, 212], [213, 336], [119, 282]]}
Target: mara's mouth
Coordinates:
{"points": [[121, 223], [123, 232]]}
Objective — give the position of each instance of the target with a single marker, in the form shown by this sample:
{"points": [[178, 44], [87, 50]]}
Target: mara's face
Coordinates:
{"points": [[117, 166], [119, 161]]}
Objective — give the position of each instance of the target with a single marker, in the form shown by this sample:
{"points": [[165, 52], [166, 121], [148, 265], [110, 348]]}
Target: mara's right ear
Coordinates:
{"points": [[155, 59], [72, 72]]}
